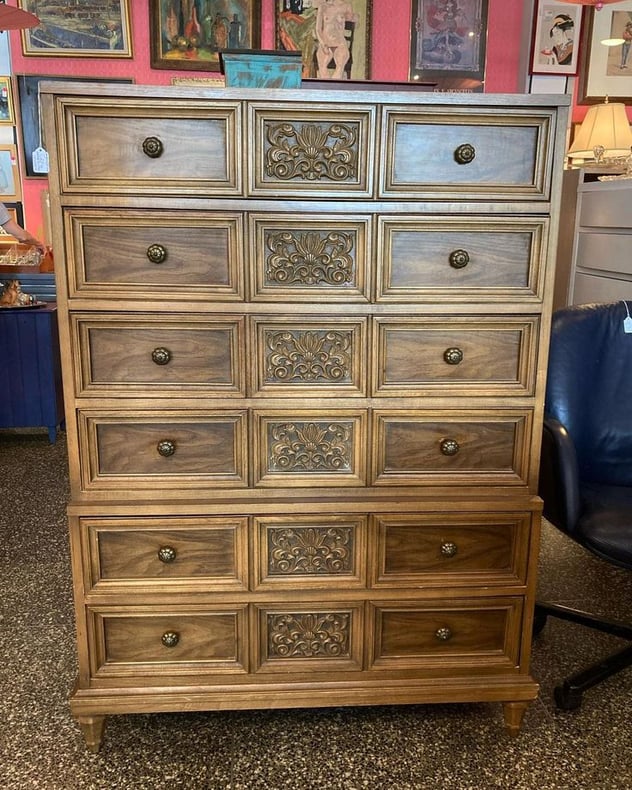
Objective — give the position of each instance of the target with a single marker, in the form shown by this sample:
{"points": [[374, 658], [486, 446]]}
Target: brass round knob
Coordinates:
{"points": [[166, 448], [453, 356], [448, 549], [157, 253], [443, 634], [166, 554], [161, 356], [170, 639], [449, 446], [465, 154], [153, 147], [459, 259]]}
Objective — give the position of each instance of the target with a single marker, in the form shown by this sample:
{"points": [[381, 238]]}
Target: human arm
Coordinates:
{"points": [[23, 236]]}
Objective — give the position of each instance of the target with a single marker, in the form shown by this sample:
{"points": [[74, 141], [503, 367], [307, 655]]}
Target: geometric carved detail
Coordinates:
{"points": [[310, 447], [308, 356], [311, 635], [310, 258], [303, 551], [312, 152]]}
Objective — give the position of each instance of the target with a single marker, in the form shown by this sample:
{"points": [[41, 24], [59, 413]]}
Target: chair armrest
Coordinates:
{"points": [[559, 476]]}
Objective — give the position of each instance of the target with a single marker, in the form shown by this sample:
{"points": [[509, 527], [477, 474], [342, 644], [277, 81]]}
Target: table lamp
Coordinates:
{"points": [[604, 134]]}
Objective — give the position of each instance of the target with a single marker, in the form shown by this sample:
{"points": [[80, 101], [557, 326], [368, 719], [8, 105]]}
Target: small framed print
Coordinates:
{"points": [[189, 34], [6, 102], [86, 29], [16, 214], [607, 71], [10, 185], [556, 36]]}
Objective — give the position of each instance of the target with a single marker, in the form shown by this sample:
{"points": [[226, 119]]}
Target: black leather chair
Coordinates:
{"points": [[586, 469]]}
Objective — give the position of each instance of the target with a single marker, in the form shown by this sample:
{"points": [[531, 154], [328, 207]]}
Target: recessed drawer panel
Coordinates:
{"points": [[472, 259], [166, 148], [163, 452], [479, 448], [304, 150], [450, 634], [141, 554], [589, 289], [304, 551], [312, 258], [156, 641], [310, 638], [461, 549], [154, 255], [467, 155], [605, 209], [155, 355], [304, 357], [605, 252], [481, 357], [312, 449]]}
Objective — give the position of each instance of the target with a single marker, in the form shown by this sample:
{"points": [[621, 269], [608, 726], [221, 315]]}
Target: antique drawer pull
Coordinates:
{"points": [[453, 356], [157, 253], [465, 154], [448, 549], [170, 639], [459, 259], [153, 147], [166, 448], [161, 356], [443, 634], [167, 554], [449, 446]]}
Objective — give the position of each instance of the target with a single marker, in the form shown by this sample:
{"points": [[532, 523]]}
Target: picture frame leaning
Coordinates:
{"points": [[606, 70]]}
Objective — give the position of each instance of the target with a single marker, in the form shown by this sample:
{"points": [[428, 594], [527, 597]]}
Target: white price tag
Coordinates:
{"points": [[40, 160], [627, 321]]}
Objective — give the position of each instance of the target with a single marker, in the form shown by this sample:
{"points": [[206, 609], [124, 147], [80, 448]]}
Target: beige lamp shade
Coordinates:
{"points": [[605, 125]]}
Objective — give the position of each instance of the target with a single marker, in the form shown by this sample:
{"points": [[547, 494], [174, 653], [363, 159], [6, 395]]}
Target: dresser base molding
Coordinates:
{"points": [[91, 706]]}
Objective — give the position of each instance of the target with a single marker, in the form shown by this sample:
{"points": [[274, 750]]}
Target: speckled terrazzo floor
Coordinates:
{"points": [[446, 747]]}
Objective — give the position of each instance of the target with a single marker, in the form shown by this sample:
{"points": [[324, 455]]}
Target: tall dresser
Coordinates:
{"points": [[304, 341]]}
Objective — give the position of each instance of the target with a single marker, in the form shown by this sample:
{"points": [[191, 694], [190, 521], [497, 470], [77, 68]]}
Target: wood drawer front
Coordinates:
{"points": [[157, 355], [306, 151], [605, 252], [469, 448], [310, 358], [153, 254], [605, 209], [312, 637], [446, 635], [466, 155], [443, 258], [163, 149], [458, 356], [313, 449], [470, 549], [155, 554], [589, 289], [310, 258], [308, 552], [165, 451], [159, 641]]}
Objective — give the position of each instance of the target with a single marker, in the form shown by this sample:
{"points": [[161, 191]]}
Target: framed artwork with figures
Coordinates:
{"points": [[607, 71], [333, 36]]}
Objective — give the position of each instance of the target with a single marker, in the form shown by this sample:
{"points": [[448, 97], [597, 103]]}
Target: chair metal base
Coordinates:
{"points": [[568, 695]]}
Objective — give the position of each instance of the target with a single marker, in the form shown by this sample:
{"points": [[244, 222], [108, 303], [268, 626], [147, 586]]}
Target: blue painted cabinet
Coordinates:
{"points": [[30, 377]]}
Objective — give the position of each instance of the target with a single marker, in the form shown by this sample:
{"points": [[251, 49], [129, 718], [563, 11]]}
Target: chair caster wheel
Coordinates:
{"points": [[539, 621], [567, 698]]}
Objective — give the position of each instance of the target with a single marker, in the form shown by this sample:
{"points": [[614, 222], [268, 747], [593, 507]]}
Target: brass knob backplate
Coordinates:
{"points": [[166, 448], [170, 639], [166, 554], [153, 147], [157, 253], [453, 356], [161, 356], [459, 259], [465, 154], [449, 446]]}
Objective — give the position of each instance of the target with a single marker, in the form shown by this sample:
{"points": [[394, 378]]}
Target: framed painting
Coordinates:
{"points": [[607, 70], [90, 29], [16, 214], [189, 34], [10, 186], [30, 124], [556, 36], [6, 101], [333, 36], [448, 42]]}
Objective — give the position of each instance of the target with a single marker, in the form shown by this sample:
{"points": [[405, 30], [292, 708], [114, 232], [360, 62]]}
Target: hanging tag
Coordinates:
{"points": [[40, 160], [627, 321]]}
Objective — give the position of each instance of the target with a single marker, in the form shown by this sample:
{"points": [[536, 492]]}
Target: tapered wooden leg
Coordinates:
{"points": [[514, 713], [92, 728]]}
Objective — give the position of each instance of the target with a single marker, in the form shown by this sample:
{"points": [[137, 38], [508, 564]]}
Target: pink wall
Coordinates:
{"points": [[391, 26]]}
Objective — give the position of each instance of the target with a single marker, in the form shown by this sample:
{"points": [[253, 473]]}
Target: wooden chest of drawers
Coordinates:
{"points": [[304, 344]]}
